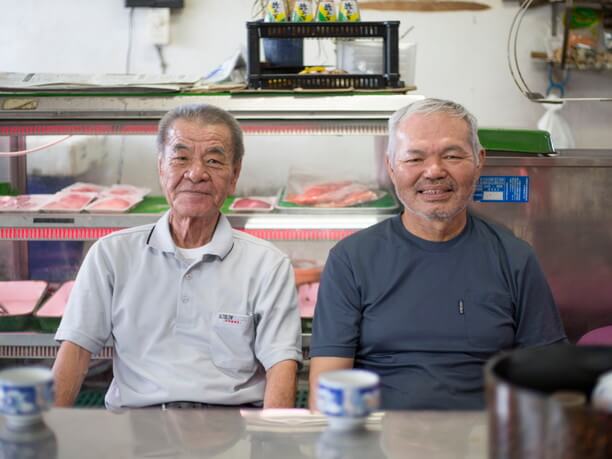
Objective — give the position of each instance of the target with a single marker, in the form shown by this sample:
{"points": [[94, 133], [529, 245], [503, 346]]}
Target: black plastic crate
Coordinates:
{"points": [[262, 76]]}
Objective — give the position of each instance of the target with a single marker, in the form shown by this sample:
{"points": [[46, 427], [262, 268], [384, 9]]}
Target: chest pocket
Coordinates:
{"points": [[231, 343], [489, 321]]}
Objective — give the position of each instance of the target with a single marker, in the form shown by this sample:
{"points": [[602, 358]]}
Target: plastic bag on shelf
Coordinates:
{"points": [[560, 131]]}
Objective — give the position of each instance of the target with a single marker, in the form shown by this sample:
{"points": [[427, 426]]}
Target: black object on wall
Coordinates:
{"points": [[154, 3]]}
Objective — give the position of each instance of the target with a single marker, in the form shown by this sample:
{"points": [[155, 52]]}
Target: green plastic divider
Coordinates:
{"points": [[523, 141], [158, 205]]}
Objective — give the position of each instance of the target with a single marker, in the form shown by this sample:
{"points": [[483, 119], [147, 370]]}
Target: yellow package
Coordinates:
{"points": [[348, 11], [302, 12], [326, 12], [275, 11]]}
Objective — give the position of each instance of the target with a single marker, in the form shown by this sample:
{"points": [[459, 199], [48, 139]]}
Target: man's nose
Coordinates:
{"points": [[434, 168], [197, 171]]}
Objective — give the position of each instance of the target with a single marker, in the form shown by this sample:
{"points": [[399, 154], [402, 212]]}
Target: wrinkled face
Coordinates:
{"points": [[196, 168], [434, 170]]}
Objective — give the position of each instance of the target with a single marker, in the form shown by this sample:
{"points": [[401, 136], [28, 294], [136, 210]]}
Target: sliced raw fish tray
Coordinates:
{"points": [[18, 300], [50, 314]]}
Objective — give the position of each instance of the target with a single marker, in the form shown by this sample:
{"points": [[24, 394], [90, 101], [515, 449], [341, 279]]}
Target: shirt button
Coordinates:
{"points": [[188, 276], [185, 299]]}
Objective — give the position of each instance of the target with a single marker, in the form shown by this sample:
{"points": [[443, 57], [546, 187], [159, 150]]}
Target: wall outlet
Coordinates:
{"points": [[159, 26]]}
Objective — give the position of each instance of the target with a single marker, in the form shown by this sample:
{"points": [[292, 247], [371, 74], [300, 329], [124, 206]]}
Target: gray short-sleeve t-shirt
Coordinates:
{"points": [[427, 315], [204, 330]]}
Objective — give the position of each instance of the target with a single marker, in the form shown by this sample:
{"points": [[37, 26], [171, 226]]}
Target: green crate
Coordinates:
{"points": [[90, 398], [521, 141], [301, 398]]}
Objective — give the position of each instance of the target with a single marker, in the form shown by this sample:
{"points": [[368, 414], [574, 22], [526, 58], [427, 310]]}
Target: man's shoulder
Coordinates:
{"points": [[367, 239], [500, 234], [125, 237], [256, 246]]}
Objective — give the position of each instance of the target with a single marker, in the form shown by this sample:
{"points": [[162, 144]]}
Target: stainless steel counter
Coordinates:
{"points": [[267, 434]]}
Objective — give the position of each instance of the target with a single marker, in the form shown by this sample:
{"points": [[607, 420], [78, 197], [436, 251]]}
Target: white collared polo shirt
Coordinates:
{"points": [[203, 331]]}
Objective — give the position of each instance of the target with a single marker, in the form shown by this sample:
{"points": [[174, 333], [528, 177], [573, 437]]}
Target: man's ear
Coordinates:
{"points": [[390, 170], [482, 155], [237, 167]]}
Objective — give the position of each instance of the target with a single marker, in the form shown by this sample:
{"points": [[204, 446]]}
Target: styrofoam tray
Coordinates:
{"points": [[384, 204], [21, 297], [84, 187], [54, 306], [70, 201], [126, 190], [269, 200], [24, 202], [113, 204]]}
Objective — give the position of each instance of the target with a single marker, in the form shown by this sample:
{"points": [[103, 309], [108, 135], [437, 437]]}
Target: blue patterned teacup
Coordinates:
{"points": [[347, 397], [25, 392]]}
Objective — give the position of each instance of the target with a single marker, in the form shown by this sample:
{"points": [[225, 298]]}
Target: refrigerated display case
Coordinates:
{"points": [[37, 114]]}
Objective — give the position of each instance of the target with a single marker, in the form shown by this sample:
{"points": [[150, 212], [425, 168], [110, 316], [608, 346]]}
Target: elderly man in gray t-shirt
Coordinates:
{"points": [[425, 298], [200, 314]]}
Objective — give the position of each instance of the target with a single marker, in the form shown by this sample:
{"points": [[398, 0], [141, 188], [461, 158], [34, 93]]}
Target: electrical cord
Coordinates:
{"points": [[32, 150], [511, 52]]}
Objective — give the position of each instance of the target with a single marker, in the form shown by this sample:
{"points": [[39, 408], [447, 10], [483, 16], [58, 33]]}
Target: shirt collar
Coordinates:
{"points": [[220, 245]]}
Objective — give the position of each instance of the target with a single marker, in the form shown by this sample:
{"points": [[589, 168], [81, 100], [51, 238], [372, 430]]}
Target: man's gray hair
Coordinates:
{"points": [[205, 114], [429, 107]]}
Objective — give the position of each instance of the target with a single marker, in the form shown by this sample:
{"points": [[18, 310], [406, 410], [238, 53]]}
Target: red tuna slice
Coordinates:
{"points": [[56, 305], [20, 297], [250, 203], [307, 299]]}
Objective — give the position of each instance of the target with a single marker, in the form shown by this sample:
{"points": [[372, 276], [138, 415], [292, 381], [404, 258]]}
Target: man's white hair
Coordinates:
{"points": [[429, 107]]}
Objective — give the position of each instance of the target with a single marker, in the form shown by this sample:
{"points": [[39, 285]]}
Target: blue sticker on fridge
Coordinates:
{"points": [[502, 188]]}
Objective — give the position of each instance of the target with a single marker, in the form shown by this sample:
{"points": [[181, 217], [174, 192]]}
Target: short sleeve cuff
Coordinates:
{"points": [[269, 359], [332, 351], [80, 339]]}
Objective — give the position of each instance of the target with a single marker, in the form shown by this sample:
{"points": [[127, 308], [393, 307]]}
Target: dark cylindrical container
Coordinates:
{"points": [[527, 421]]}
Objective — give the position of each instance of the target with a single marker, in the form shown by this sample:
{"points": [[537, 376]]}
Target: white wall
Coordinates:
{"points": [[461, 56]]}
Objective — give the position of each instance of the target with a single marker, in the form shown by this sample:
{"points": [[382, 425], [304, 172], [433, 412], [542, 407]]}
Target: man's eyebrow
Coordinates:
{"points": [[179, 146], [216, 149]]}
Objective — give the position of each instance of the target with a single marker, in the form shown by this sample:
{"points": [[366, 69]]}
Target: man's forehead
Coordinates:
{"points": [[193, 132], [435, 126]]}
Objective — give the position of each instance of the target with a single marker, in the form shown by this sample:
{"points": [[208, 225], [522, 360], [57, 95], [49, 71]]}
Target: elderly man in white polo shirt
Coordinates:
{"points": [[200, 314]]}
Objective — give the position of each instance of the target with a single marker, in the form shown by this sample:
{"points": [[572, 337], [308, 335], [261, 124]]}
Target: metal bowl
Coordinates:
{"points": [[527, 419]]}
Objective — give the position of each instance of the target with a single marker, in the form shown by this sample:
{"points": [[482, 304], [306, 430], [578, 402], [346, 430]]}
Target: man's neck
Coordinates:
{"points": [[434, 230], [192, 232]]}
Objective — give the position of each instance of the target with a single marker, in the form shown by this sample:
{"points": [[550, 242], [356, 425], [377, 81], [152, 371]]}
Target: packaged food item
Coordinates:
{"points": [[326, 12], [253, 204], [348, 11], [69, 202], [114, 204], [24, 202], [83, 187], [302, 12], [276, 11], [126, 190]]}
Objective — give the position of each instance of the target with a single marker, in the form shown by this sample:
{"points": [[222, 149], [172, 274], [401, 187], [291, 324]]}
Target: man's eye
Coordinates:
{"points": [[214, 162], [453, 157], [412, 160]]}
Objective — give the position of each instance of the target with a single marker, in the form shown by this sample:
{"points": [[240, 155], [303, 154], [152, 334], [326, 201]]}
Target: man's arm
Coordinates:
{"points": [[281, 384], [69, 370], [320, 365]]}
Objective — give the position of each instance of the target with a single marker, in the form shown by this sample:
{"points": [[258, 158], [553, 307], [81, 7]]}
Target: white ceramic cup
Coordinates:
{"points": [[25, 392], [347, 397]]}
